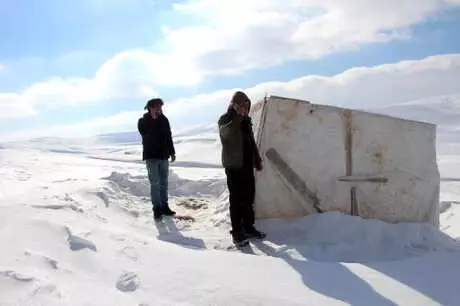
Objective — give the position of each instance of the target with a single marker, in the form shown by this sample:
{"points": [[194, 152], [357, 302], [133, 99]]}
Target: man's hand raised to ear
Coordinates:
{"points": [[242, 109]]}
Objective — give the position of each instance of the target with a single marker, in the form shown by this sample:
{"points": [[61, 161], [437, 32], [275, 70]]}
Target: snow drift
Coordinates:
{"points": [[79, 231]]}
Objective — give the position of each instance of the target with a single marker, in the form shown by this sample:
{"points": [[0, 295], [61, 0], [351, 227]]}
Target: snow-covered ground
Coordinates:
{"points": [[76, 229]]}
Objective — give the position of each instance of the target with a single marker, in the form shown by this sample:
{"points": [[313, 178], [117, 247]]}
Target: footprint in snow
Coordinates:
{"points": [[103, 196], [128, 282], [60, 206], [77, 243], [47, 260], [129, 252], [17, 276]]}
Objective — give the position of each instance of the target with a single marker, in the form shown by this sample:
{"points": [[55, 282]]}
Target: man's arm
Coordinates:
{"points": [[255, 149], [258, 159], [141, 127], [171, 150]]}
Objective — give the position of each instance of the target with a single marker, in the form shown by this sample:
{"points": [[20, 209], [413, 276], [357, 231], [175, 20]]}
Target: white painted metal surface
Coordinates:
{"points": [[391, 163]]}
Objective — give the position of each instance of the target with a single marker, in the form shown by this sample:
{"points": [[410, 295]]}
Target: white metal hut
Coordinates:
{"points": [[320, 158]]}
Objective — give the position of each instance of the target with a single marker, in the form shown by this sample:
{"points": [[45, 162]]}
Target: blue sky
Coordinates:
{"points": [[43, 40]]}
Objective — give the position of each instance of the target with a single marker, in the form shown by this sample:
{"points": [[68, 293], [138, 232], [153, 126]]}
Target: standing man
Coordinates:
{"points": [[158, 147], [239, 158]]}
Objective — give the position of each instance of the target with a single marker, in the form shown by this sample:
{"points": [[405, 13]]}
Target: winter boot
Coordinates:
{"points": [[168, 212], [239, 239], [253, 233]]}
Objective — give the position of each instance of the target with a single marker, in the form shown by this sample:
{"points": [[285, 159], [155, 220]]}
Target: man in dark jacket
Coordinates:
{"points": [[158, 147], [239, 158]]}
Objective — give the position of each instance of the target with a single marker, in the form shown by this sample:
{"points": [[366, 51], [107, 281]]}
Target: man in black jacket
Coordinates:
{"points": [[240, 156], [158, 147]]}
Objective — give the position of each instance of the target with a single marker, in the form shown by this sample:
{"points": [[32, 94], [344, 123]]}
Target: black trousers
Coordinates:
{"points": [[241, 186]]}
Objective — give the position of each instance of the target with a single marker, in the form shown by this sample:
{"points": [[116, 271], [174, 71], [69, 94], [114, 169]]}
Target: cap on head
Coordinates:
{"points": [[153, 102]]}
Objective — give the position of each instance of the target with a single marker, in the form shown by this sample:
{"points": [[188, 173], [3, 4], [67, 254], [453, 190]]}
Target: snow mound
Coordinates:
{"points": [[194, 198], [334, 236], [221, 215], [135, 185], [450, 218], [139, 186]]}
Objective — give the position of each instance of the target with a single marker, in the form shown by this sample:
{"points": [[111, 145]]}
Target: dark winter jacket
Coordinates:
{"points": [[239, 148], [156, 137]]}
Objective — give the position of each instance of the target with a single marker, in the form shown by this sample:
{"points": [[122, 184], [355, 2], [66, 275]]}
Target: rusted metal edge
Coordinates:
{"points": [[262, 123], [293, 178], [370, 179], [354, 202], [349, 159], [348, 142]]}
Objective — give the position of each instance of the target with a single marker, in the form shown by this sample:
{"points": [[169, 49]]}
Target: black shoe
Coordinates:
{"points": [[168, 212], [239, 239], [253, 233]]}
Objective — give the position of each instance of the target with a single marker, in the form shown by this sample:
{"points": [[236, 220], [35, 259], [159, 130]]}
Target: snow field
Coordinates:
{"points": [[77, 229]]}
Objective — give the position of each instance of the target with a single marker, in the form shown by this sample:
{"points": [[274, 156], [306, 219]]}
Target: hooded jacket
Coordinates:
{"points": [[156, 136], [239, 148]]}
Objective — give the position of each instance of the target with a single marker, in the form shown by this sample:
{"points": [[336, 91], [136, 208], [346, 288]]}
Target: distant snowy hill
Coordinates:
{"points": [[444, 111], [133, 137], [120, 138], [440, 110]]}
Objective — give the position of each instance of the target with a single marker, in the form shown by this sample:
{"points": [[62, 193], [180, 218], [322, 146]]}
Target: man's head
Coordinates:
{"points": [[241, 103], [154, 106]]}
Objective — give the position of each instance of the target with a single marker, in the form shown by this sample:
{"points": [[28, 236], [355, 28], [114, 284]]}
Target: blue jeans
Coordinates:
{"points": [[158, 171]]}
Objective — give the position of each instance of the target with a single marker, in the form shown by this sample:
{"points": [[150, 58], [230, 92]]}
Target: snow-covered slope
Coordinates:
{"points": [[444, 111], [76, 229], [440, 110]]}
